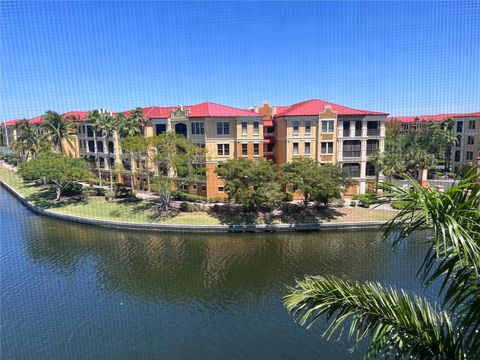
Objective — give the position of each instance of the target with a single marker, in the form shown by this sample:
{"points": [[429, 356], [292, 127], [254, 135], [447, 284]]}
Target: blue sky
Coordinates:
{"points": [[399, 57]]}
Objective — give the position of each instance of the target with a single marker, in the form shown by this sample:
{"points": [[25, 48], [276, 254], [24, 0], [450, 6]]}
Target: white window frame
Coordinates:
{"points": [[309, 148], [330, 126], [256, 128], [295, 145], [224, 125], [244, 128], [327, 148], [309, 127], [295, 125]]}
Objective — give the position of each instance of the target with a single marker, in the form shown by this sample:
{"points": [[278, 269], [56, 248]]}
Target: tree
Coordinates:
{"points": [[255, 185], [399, 325], [108, 125], [163, 187], [137, 147], [316, 182], [177, 156], [56, 127], [57, 169], [27, 143], [131, 126], [96, 119]]}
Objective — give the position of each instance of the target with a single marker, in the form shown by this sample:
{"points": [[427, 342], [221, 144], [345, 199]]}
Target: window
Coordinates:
{"points": [[358, 128], [469, 155], [471, 124], [307, 148], [352, 169], [295, 148], [372, 147], [352, 148], [327, 126], [223, 149], [370, 170], [221, 189], [204, 187], [244, 149], [372, 128], [457, 155], [184, 187], [91, 146], [308, 126], [100, 146], [89, 131], [111, 147], [470, 140], [198, 128], [223, 128], [160, 129], [296, 126], [269, 147], [244, 128], [194, 187], [327, 148], [460, 126], [256, 128], [256, 149], [346, 128]]}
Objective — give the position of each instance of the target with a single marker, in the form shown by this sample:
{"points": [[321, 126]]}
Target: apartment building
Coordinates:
{"points": [[467, 128], [328, 133]]}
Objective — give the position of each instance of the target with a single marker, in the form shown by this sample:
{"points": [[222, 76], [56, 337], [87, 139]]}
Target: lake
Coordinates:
{"points": [[72, 291]]}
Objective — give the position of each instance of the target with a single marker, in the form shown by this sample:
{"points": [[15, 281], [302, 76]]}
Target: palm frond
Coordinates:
{"points": [[397, 324]]}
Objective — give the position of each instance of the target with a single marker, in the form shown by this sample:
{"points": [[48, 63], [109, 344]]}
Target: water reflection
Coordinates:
{"points": [[103, 293], [174, 267]]}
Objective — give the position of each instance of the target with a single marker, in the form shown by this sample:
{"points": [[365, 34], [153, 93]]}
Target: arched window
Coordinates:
{"points": [[181, 129], [100, 146], [111, 147]]}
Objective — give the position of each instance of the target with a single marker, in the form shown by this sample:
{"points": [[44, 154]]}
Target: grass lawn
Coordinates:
{"points": [[145, 211]]}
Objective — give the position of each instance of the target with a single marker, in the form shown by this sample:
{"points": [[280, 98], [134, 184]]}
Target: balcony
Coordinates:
{"points": [[373, 132], [351, 154]]}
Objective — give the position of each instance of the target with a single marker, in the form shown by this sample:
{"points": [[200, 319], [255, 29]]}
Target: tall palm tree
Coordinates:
{"points": [[27, 142], [401, 326], [129, 126], [95, 120], [108, 125], [56, 127]]}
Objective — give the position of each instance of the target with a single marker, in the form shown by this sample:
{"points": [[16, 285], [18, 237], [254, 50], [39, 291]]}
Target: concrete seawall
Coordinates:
{"points": [[242, 228]]}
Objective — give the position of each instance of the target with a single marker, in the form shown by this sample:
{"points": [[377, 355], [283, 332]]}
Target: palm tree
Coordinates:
{"points": [[95, 120], [129, 126], [449, 139], [27, 142], [401, 326], [57, 127], [108, 125]]}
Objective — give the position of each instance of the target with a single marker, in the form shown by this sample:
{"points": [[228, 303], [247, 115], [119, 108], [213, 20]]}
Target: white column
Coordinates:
{"points": [[364, 129]]}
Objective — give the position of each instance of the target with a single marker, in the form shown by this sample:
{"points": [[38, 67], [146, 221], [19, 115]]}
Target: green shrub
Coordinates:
{"points": [[109, 195], [73, 189], [123, 192], [365, 200], [180, 195], [399, 205], [288, 197], [93, 181], [216, 199]]}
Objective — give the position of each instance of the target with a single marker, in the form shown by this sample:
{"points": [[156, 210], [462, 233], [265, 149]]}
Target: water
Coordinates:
{"points": [[77, 292]]}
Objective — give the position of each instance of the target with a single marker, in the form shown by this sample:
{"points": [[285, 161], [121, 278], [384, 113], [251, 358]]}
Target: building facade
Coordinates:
{"points": [[327, 133], [466, 127]]}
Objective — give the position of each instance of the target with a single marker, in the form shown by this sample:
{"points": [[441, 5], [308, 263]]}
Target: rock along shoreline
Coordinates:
{"points": [[233, 228]]}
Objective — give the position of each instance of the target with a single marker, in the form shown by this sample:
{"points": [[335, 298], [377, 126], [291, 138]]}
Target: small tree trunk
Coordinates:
{"points": [[59, 193], [148, 180], [111, 176]]}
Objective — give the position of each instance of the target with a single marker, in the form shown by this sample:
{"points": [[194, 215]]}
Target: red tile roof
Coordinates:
{"points": [[436, 118], [36, 120], [12, 122], [206, 109], [79, 115], [315, 107]]}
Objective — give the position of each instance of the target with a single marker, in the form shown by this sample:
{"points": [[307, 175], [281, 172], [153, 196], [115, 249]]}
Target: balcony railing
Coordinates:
{"points": [[348, 154], [373, 132], [346, 132]]}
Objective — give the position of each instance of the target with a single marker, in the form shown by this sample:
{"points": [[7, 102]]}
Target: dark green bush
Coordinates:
{"points": [[180, 195], [73, 189]]}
